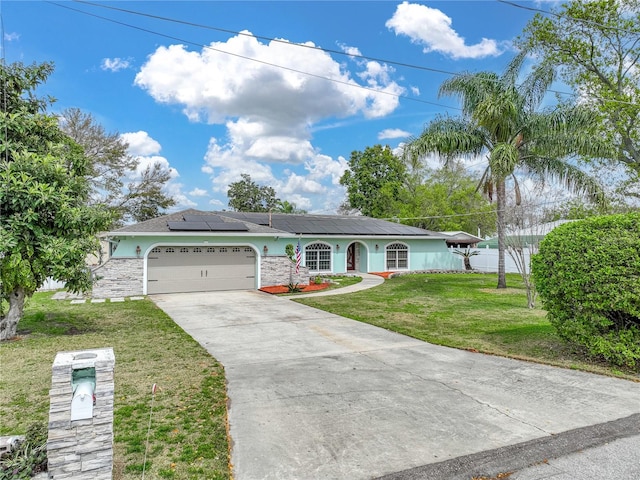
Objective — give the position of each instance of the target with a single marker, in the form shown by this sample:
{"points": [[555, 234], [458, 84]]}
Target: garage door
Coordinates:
{"points": [[200, 269]]}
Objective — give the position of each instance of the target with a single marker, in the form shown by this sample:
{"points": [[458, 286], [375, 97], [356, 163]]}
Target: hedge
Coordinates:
{"points": [[588, 276]]}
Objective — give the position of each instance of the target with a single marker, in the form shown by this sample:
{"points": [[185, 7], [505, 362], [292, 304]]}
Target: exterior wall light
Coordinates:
{"points": [[265, 249], [377, 247], [337, 247], [138, 251]]}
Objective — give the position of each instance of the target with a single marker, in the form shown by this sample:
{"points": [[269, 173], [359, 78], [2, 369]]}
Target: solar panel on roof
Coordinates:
{"points": [[188, 226], [227, 227]]}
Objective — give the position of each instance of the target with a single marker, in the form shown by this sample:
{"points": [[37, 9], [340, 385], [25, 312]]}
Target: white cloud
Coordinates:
{"points": [[146, 162], [432, 28], [269, 112], [354, 51], [271, 122], [392, 133], [11, 36], [140, 143], [198, 192], [182, 201], [115, 64]]}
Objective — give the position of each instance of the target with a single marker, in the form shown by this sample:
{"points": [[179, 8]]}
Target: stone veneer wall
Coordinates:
{"points": [[119, 277], [81, 449], [279, 270]]}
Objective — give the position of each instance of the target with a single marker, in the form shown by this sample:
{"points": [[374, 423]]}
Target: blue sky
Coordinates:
{"points": [[221, 98]]}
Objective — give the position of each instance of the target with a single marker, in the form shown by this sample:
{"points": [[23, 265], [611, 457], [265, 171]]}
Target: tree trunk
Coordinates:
{"points": [[467, 263], [9, 324], [501, 200]]}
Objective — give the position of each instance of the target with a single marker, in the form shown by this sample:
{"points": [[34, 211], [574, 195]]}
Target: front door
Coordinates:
{"points": [[351, 257]]}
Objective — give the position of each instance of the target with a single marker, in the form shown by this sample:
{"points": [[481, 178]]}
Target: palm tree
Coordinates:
{"points": [[501, 121]]}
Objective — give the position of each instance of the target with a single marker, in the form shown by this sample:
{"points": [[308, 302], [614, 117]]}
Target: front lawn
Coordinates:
{"points": [[188, 438], [463, 311]]}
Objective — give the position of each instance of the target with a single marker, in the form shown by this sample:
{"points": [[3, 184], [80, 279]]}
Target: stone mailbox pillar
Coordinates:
{"points": [[80, 442]]}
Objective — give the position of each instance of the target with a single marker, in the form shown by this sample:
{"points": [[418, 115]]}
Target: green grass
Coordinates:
{"points": [[464, 311], [188, 437]]}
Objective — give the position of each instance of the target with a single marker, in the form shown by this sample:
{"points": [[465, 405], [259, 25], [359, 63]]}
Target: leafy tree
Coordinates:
{"points": [[502, 123], [447, 199], [374, 181], [288, 207], [46, 227], [587, 275], [247, 196], [110, 165], [595, 44], [577, 209]]}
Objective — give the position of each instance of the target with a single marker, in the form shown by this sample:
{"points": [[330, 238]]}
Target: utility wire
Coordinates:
{"points": [[486, 212], [322, 49], [270, 39], [209, 47], [557, 15]]}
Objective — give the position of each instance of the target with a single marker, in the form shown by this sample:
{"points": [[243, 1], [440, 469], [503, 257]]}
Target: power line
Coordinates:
{"points": [[270, 39], [209, 47], [327, 50], [557, 15], [478, 213]]}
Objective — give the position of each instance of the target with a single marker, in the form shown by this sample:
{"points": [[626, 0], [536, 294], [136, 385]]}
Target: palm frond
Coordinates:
{"points": [[470, 89], [570, 176], [447, 138]]}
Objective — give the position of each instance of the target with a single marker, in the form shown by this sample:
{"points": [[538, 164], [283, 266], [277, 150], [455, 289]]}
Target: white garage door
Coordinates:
{"points": [[200, 269]]}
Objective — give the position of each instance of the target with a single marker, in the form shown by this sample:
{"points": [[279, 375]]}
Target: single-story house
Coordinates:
{"points": [[207, 251]]}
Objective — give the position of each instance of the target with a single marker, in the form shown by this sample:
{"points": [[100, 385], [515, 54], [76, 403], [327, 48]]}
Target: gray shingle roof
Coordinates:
{"points": [[245, 222], [208, 219]]}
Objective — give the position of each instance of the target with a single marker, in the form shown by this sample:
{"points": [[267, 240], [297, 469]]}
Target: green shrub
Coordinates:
{"points": [[289, 251], [588, 276], [29, 458]]}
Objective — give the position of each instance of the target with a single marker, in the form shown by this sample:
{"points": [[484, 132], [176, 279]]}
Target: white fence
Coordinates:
{"points": [[51, 284], [487, 260]]}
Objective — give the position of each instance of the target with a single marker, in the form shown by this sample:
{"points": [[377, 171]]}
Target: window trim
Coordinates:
{"points": [[395, 250], [329, 249]]}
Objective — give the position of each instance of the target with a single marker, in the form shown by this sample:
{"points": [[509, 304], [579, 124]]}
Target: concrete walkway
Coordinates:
{"points": [[316, 396]]}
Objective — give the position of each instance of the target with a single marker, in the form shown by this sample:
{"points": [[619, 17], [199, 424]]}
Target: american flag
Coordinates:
{"points": [[298, 257]]}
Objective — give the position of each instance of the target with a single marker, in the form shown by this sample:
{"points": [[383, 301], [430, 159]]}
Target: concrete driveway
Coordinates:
{"points": [[317, 396]]}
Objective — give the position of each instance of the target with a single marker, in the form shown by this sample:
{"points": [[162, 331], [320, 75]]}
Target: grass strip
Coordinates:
{"points": [[464, 311], [188, 438]]}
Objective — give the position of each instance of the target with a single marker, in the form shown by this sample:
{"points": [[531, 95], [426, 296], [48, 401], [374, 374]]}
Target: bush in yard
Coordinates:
{"points": [[29, 458], [588, 276]]}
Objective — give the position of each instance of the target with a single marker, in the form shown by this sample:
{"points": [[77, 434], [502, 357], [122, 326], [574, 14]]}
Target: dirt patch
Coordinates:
{"points": [[277, 289]]}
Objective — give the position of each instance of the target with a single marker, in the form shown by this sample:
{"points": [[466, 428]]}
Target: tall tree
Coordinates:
{"points": [[143, 196], [247, 196], [46, 227], [502, 123], [596, 45], [447, 199], [374, 181]]}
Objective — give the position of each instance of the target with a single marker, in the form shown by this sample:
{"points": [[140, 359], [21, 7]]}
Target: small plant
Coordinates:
{"points": [[318, 280], [29, 458], [294, 288], [288, 249], [466, 255]]}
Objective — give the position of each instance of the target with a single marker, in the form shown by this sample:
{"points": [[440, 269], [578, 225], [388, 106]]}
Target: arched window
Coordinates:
{"points": [[397, 256], [317, 257]]}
